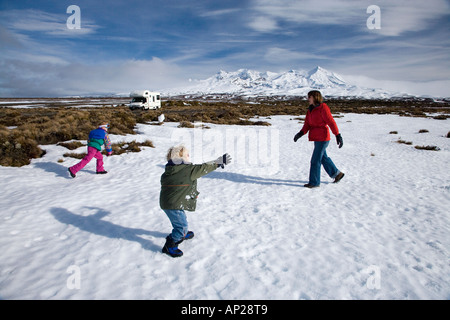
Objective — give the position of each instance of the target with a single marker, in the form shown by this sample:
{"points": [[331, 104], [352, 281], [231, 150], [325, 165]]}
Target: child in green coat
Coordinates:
{"points": [[179, 193]]}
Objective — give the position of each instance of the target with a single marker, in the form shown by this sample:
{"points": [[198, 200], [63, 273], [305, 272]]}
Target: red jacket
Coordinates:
{"points": [[317, 122]]}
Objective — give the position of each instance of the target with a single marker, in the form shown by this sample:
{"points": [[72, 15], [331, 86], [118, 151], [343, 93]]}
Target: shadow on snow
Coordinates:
{"points": [[242, 178], [94, 224]]}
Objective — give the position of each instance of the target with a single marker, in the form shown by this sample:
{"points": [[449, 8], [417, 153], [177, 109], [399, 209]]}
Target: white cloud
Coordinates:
{"points": [[45, 78], [30, 20], [263, 24], [438, 88], [402, 16], [277, 55], [31, 62], [216, 13], [397, 17], [308, 11], [31, 67]]}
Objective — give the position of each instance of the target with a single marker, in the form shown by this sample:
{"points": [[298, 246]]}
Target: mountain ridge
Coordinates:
{"points": [[250, 83]]}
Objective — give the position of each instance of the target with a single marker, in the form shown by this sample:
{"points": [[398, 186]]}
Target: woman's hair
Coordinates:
{"points": [[177, 154], [317, 96]]}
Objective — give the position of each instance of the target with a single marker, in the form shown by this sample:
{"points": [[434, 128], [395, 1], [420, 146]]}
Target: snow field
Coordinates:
{"points": [[381, 233]]}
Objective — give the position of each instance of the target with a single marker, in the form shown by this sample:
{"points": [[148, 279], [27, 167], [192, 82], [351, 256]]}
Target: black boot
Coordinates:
{"points": [[71, 174], [338, 177], [171, 248]]}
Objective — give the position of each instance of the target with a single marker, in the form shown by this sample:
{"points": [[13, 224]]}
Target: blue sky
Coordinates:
{"points": [[125, 45]]}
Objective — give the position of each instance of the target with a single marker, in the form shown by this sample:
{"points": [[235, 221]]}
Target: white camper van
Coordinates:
{"points": [[145, 100]]}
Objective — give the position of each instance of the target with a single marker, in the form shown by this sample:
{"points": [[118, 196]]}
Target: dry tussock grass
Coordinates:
{"points": [[431, 148], [58, 123], [42, 126], [118, 148]]}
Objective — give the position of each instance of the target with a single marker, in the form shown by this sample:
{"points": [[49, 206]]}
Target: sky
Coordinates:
{"points": [[116, 46]]}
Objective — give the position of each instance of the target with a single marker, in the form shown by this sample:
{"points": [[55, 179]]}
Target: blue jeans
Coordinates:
{"points": [[319, 158], [179, 223]]}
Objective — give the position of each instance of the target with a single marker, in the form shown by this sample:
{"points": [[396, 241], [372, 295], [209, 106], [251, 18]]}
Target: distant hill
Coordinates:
{"points": [[245, 82]]}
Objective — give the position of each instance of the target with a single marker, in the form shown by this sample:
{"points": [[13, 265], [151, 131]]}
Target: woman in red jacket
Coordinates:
{"points": [[318, 119]]}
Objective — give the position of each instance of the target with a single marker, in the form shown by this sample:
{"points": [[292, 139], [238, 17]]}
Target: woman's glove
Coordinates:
{"points": [[223, 160], [339, 140], [298, 135]]}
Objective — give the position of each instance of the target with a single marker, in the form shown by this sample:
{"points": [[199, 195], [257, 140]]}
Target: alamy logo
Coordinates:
{"points": [[374, 280], [74, 21], [374, 21], [256, 148], [74, 280]]}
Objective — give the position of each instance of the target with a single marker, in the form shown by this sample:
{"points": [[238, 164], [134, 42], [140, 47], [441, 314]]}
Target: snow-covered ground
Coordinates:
{"points": [[381, 233]]}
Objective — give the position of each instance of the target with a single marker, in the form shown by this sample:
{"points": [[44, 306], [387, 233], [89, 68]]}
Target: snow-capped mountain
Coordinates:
{"points": [[245, 82]]}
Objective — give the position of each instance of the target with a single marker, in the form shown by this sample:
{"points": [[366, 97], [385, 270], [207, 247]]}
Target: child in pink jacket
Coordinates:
{"points": [[97, 138]]}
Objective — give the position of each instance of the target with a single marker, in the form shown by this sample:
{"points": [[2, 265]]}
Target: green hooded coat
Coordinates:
{"points": [[179, 185]]}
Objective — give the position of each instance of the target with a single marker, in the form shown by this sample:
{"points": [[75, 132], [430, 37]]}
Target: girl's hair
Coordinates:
{"points": [[317, 96], [177, 154]]}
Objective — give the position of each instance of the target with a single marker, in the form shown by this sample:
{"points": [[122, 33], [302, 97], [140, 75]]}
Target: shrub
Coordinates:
{"points": [[75, 155], [56, 122], [404, 142], [432, 148], [133, 146], [261, 123], [117, 148], [42, 126], [71, 145], [17, 151], [185, 124]]}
